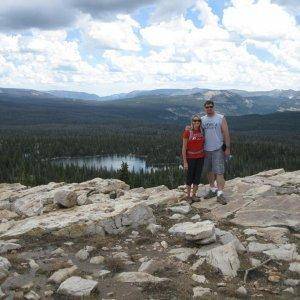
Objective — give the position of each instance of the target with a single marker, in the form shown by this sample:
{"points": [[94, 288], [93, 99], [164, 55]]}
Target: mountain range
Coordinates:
{"points": [[154, 105]]}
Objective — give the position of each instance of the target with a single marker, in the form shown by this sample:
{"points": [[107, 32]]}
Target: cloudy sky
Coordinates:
{"points": [[112, 46]]}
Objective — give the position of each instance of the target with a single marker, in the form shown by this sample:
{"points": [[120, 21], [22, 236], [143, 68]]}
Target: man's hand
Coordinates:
{"points": [[227, 151]]}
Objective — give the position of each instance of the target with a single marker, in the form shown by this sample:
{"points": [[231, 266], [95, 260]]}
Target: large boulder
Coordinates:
{"points": [[92, 219], [77, 287], [282, 210], [225, 259], [65, 198]]}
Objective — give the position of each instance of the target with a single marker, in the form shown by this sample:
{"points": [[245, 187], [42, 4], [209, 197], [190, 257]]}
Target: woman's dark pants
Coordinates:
{"points": [[194, 171]]}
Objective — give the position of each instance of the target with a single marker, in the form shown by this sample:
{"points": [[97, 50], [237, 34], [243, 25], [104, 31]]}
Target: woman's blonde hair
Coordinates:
{"points": [[194, 117]]}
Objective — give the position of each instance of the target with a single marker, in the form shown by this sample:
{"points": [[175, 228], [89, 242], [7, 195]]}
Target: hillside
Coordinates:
{"points": [[157, 105], [100, 238]]}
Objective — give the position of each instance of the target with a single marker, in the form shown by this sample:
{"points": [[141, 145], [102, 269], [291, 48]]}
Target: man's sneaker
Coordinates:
{"points": [[221, 199], [210, 194]]}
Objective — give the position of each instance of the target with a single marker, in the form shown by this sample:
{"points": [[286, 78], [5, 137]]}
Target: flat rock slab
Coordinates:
{"points": [[225, 259], [7, 246], [77, 287], [283, 210], [194, 231], [224, 211], [136, 277], [287, 252], [255, 247], [60, 275], [96, 218], [182, 254]]}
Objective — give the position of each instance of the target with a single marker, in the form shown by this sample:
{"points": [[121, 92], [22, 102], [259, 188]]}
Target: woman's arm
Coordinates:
{"points": [[184, 146]]}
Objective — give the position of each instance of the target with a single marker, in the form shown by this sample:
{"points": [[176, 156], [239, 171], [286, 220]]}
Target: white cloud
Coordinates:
{"points": [[260, 20], [119, 34]]}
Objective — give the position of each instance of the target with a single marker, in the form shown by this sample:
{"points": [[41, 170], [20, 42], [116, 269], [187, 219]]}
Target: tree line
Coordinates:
{"points": [[25, 152]]}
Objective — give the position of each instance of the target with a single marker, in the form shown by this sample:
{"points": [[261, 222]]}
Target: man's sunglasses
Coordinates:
{"points": [[196, 121], [209, 106]]}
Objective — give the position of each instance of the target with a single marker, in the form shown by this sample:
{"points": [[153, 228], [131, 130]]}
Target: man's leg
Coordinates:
{"points": [[218, 167], [220, 182], [211, 179], [210, 176]]}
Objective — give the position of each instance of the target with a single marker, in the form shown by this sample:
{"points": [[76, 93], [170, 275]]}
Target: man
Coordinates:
{"points": [[217, 146]]}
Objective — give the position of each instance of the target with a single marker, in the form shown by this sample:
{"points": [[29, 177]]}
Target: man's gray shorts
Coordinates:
{"points": [[214, 162]]}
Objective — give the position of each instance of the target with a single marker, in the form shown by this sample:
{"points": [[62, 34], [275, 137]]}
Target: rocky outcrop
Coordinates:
{"points": [[100, 238]]}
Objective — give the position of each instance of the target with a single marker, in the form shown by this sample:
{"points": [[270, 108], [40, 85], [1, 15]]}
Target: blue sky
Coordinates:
{"points": [[107, 47]]}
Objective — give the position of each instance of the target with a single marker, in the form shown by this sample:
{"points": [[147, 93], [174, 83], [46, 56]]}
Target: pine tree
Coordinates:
{"points": [[123, 172]]}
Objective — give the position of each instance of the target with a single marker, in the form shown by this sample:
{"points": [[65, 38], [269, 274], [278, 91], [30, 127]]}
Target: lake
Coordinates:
{"points": [[135, 163]]}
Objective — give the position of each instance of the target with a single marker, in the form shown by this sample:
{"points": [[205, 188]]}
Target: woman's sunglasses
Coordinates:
{"points": [[196, 121]]}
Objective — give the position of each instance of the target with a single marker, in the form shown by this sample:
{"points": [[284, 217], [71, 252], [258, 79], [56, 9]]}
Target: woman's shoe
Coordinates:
{"points": [[195, 199]]}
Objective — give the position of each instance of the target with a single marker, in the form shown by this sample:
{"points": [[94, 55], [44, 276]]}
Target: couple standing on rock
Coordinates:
{"points": [[206, 144]]}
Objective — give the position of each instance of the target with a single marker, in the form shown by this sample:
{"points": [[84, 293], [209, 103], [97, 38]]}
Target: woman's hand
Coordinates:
{"points": [[185, 166]]}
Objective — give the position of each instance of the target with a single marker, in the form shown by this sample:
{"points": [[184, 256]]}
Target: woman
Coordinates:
{"points": [[193, 156]]}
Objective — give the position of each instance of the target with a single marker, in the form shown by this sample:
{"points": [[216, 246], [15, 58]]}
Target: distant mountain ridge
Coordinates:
{"points": [[164, 104]]}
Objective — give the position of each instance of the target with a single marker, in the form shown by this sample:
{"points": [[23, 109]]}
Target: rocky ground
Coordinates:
{"points": [[102, 240]]}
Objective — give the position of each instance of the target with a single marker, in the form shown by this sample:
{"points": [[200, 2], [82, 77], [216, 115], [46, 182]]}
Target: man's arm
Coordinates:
{"points": [[225, 132]]}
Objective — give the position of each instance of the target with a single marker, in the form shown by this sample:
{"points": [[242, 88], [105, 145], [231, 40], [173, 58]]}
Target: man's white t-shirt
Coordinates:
{"points": [[213, 132]]}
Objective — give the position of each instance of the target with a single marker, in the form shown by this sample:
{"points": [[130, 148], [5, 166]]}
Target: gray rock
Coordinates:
{"points": [[196, 217], [2, 295], [289, 290], [183, 209], [197, 264], [58, 251], [182, 254], [292, 282], [226, 237], [208, 241], [101, 273], [199, 278], [4, 264], [258, 247], [82, 254], [250, 231], [295, 267], [286, 252], [193, 231], [33, 265], [154, 228], [150, 266], [225, 259], [32, 295], [201, 291], [255, 262], [242, 291], [132, 277], [91, 219], [176, 217], [30, 205], [62, 274], [77, 287], [282, 210], [66, 198], [97, 259], [7, 246]]}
